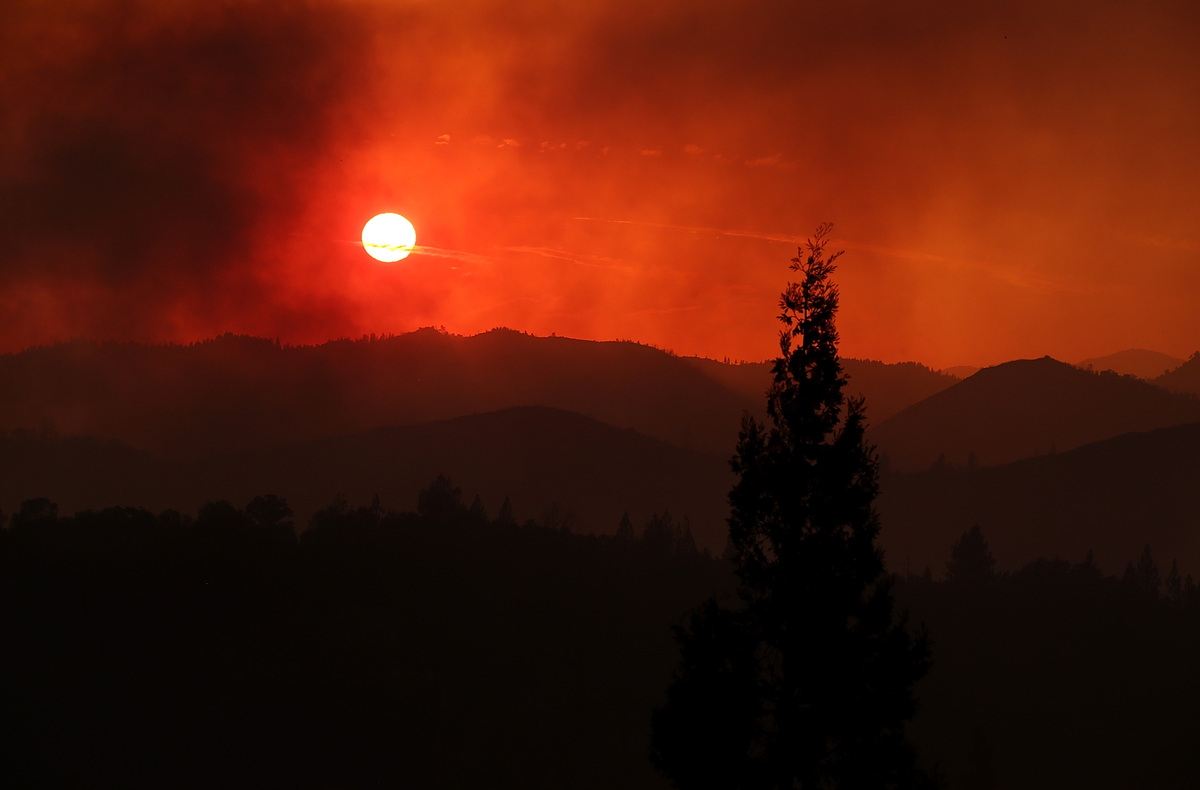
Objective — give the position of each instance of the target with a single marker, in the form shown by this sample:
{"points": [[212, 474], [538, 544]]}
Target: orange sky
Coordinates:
{"points": [[1007, 183]]}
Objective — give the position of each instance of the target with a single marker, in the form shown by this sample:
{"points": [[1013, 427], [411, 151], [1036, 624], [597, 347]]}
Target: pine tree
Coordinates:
{"points": [[625, 535], [478, 513], [506, 515], [1143, 578], [808, 682], [441, 502], [1174, 584], [971, 564]]}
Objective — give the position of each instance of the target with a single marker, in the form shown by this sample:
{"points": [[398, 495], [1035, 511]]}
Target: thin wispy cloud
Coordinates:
{"points": [[1010, 275], [455, 255], [1163, 242], [690, 308], [591, 261]]}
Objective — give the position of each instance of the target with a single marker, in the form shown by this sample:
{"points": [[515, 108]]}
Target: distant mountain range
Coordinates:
{"points": [[960, 371], [887, 388], [1023, 409], [1112, 497], [1134, 362], [1047, 457], [237, 393]]}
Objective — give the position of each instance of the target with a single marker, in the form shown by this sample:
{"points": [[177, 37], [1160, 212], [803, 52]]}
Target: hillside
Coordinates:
{"points": [[236, 393], [1183, 379], [1134, 362], [1112, 497], [534, 455], [959, 371], [888, 388], [1022, 409]]}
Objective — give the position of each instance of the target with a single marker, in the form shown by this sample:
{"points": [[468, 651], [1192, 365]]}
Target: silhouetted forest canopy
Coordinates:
{"points": [[457, 646], [439, 646], [1057, 674]]}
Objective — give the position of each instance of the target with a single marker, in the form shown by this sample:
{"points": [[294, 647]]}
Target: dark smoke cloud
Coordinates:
{"points": [[145, 157]]}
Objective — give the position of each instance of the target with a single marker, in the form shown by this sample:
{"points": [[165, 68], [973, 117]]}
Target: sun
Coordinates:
{"points": [[388, 237]]}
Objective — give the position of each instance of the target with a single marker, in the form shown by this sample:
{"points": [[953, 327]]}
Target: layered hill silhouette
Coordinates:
{"points": [[1111, 497], [887, 388], [1023, 409], [235, 393], [1138, 362], [589, 428], [959, 371], [1183, 379], [552, 464]]}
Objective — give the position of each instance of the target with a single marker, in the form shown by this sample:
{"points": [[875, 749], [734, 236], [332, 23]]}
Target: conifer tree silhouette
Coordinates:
{"points": [[506, 516], [441, 501], [478, 512], [809, 682], [34, 512], [1174, 583], [270, 511], [1143, 579], [971, 561], [625, 534]]}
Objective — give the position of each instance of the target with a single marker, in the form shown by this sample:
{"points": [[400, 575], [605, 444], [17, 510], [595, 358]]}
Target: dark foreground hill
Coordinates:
{"points": [[1022, 409], [535, 456], [1184, 379], [1111, 497], [379, 650], [442, 649]]}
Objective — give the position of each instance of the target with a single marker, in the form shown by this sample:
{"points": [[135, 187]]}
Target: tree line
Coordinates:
{"points": [[440, 646], [451, 646]]}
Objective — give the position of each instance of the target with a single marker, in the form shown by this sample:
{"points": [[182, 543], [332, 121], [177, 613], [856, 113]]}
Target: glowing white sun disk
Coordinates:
{"points": [[388, 237]]}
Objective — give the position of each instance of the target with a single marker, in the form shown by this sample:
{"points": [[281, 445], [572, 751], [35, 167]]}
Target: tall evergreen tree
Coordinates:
{"points": [[808, 681], [972, 564]]}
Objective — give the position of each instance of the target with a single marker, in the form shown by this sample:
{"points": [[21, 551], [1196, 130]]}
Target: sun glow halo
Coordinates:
{"points": [[388, 237]]}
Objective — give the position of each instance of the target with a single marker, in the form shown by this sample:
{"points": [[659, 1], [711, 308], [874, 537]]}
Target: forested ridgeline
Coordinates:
{"points": [[452, 648], [536, 455], [441, 645], [234, 393], [1058, 675]]}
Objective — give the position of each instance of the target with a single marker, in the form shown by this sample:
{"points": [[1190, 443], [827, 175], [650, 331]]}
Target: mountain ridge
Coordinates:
{"points": [[539, 457], [238, 392], [1184, 379], [1111, 497], [1022, 409], [1140, 362]]}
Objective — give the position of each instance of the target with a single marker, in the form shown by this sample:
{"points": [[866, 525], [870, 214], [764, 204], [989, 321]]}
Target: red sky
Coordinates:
{"points": [[1008, 182]]}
